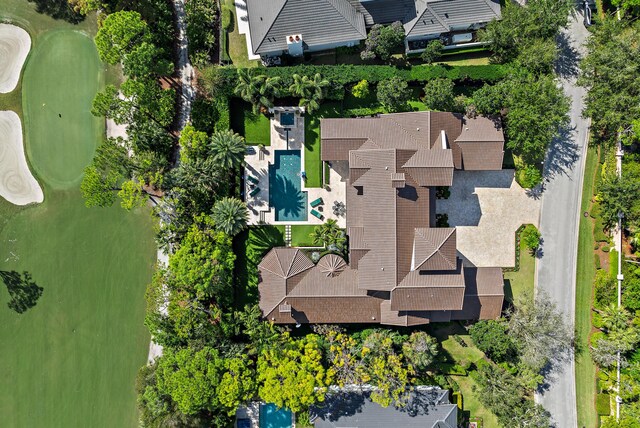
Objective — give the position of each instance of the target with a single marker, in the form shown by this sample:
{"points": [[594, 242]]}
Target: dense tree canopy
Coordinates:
{"points": [[383, 41], [120, 33], [394, 94], [492, 338]]}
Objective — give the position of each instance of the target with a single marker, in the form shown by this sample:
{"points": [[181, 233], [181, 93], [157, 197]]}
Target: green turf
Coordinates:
{"points": [[312, 162], [300, 236], [257, 129], [457, 353], [250, 246], [585, 274], [63, 74], [237, 43], [517, 283], [70, 360]]}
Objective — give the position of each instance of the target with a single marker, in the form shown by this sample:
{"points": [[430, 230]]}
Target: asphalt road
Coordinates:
{"points": [[559, 220]]}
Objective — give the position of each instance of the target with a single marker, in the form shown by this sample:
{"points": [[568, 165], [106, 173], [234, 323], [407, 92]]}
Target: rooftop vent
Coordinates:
{"points": [[284, 308]]}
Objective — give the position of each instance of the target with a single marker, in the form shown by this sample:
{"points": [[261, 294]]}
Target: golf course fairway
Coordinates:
{"points": [[72, 279]]}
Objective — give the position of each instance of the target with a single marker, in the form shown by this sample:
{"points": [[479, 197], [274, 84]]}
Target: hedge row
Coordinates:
{"points": [[348, 73]]}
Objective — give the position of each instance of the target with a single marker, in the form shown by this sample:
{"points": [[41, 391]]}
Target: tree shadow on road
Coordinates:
{"points": [[23, 290], [568, 58], [563, 153]]}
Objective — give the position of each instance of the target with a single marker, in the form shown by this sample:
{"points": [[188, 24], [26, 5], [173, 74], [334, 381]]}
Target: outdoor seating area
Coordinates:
{"points": [[276, 189]]}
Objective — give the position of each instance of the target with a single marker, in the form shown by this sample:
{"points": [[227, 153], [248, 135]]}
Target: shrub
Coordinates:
{"points": [[530, 236], [596, 261], [492, 338], [438, 95], [393, 94], [603, 404], [529, 176], [432, 52], [457, 398], [361, 89]]}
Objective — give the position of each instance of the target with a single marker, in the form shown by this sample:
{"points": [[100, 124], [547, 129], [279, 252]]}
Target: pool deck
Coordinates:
{"points": [[257, 165]]}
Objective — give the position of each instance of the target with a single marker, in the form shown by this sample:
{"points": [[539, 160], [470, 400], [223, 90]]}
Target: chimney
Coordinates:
{"points": [[443, 139], [294, 45]]}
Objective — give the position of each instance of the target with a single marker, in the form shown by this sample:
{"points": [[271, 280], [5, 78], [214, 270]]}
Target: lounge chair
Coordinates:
{"points": [[317, 214], [253, 179], [254, 192], [316, 202]]}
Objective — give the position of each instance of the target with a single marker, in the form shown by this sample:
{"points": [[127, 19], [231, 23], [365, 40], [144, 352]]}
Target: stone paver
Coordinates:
{"points": [[291, 138], [487, 207]]}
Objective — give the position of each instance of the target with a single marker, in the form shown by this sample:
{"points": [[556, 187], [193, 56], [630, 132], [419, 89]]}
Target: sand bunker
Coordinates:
{"points": [[17, 185], [14, 48]]}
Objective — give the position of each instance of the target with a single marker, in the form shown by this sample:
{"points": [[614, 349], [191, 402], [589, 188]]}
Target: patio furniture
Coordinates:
{"points": [[253, 179], [254, 192], [316, 202], [316, 214]]}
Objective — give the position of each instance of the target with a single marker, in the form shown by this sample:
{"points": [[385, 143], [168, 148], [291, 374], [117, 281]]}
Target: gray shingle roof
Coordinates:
{"points": [[441, 16], [427, 408], [319, 22]]}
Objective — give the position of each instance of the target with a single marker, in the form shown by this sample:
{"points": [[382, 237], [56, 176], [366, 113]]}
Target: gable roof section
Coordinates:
{"points": [[434, 249], [319, 21], [441, 16]]}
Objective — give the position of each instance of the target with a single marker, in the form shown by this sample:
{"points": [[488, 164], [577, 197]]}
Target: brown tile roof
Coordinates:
{"points": [[403, 270], [434, 249]]}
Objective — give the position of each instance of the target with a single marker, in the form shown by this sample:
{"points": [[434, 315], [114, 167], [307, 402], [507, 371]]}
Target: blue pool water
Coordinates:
{"points": [[285, 186], [287, 119], [272, 417]]}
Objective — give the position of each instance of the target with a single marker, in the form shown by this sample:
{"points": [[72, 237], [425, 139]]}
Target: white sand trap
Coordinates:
{"points": [[17, 185], [14, 48]]}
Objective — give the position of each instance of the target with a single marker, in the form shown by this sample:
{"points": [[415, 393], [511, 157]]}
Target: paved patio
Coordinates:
{"points": [[257, 166], [487, 207]]}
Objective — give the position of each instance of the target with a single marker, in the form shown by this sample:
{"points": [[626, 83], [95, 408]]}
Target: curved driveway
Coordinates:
{"points": [[559, 220]]}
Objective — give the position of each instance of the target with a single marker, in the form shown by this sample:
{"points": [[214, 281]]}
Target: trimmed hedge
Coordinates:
{"points": [[603, 404], [349, 73]]}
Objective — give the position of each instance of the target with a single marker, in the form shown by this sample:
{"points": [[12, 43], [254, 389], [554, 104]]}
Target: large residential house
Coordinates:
{"points": [[402, 269], [293, 27]]}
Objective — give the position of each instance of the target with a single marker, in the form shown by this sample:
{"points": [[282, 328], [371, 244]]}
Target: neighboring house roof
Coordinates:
{"points": [[402, 269], [441, 16], [318, 21], [386, 11], [428, 407]]}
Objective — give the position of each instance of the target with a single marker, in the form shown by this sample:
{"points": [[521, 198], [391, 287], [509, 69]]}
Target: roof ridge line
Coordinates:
{"points": [[345, 18], [255, 48], [444, 24]]}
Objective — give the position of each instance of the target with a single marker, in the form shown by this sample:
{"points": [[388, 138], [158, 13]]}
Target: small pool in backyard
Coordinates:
{"points": [[287, 119], [285, 186], [272, 417]]}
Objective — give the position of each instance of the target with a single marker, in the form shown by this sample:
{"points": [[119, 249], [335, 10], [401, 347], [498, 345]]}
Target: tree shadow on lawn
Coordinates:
{"points": [[58, 9], [23, 290], [250, 246]]}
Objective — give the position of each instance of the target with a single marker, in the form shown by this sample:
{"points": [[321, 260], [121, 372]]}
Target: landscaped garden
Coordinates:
{"points": [[73, 309]]}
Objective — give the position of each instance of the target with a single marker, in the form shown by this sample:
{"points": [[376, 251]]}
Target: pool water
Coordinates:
{"points": [[287, 119], [285, 186], [272, 417]]}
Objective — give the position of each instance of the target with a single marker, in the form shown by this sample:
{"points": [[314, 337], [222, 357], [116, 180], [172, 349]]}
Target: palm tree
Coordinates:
{"points": [[310, 90], [247, 87], [268, 89], [328, 234], [228, 150], [257, 89], [615, 318], [230, 215]]}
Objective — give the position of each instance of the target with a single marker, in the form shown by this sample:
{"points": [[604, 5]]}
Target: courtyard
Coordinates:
{"points": [[487, 207], [276, 190]]}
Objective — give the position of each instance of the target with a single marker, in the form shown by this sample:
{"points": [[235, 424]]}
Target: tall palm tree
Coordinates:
{"points": [[227, 150], [247, 86], [268, 90], [257, 89], [230, 215], [310, 90], [328, 233]]}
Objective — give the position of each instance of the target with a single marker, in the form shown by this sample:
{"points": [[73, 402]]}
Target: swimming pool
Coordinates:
{"points": [[287, 119], [285, 186], [272, 417]]}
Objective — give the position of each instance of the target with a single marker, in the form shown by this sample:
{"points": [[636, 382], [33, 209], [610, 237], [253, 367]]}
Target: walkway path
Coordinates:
{"points": [[186, 74], [559, 220]]}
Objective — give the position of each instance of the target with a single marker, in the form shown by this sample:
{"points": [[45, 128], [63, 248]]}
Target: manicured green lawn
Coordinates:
{"points": [[250, 246], [63, 74], [237, 42], [257, 129], [300, 236], [456, 352], [517, 283], [585, 274], [312, 162], [71, 358]]}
